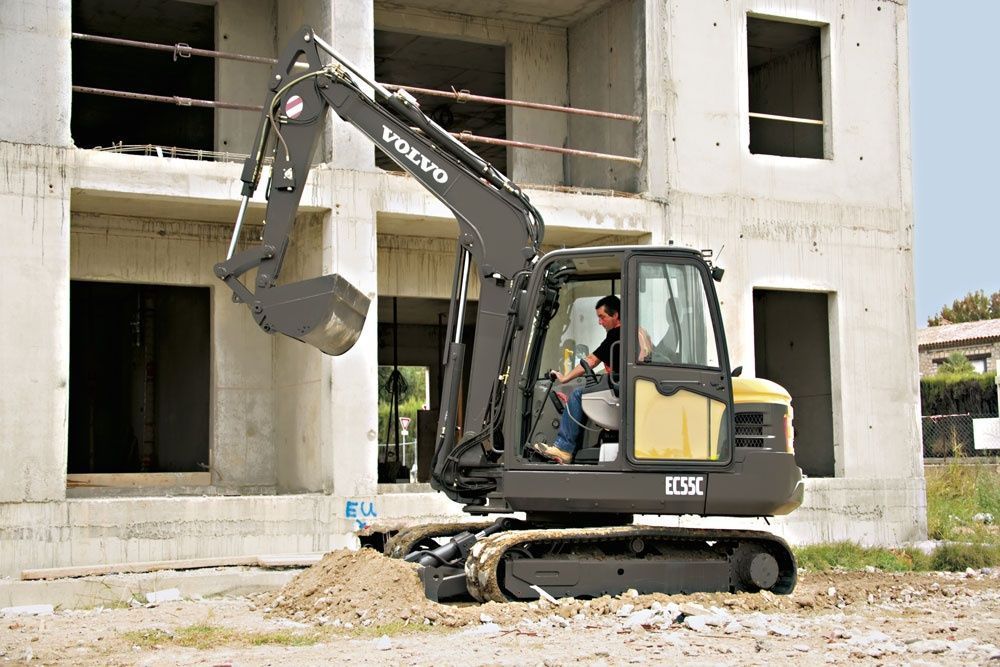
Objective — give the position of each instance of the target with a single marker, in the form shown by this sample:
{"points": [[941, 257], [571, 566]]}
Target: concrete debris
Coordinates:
{"points": [[641, 617], [692, 609], [928, 646], [485, 618], [166, 595], [867, 638], [781, 630], [27, 610], [732, 627], [625, 609]]}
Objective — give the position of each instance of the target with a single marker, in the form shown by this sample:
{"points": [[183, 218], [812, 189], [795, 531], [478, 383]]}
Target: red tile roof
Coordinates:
{"points": [[958, 333]]}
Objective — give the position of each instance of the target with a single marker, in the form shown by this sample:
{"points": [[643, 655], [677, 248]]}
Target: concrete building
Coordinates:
{"points": [[143, 415]]}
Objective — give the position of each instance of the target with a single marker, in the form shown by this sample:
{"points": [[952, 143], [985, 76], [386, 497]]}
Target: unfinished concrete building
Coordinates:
{"points": [[143, 416]]}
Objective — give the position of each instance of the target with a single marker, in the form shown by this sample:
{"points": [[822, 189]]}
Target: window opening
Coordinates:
{"points": [[101, 120], [444, 64], [786, 89], [139, 378]]}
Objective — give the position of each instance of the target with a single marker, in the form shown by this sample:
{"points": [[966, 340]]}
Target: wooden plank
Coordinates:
{"points": [[139, 479], [267, 561], [291, 560], [148, 566]]}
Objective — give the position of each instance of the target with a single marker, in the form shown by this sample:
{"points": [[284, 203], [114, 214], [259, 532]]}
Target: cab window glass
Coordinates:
{"points": [[675, 322]]}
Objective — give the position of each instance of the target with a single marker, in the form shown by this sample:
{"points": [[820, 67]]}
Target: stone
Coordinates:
{"points": [[27, 610], [983, 517], [696, 623], [868, 638], [831, 591], [641, 617], [383, 643], [625, 610], [692, 609], [166, 595], [485, 618], [732, 627], [804, 648], [781, 630], [928, 646]]}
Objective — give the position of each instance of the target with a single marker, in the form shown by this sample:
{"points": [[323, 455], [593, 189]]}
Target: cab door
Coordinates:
{"points": [[678, 397]]}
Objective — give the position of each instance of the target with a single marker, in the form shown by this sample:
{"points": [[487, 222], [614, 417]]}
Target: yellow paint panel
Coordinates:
{"points": [[683, 426], [759, 390]]}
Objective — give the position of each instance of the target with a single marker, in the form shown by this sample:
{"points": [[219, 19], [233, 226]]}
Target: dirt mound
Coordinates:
{"points": [[365, 588]]}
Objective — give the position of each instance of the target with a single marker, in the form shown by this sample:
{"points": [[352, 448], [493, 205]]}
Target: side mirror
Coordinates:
{"points": [[738, 371]]}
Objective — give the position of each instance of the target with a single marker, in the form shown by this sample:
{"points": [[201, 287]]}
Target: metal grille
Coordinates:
{"points": [[749, 429], [946, 436]]}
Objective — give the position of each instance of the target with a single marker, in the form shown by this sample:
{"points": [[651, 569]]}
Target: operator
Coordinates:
{"points": [[571, 424]]}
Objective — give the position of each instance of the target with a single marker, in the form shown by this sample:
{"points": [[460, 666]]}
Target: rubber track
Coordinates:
{"points": [[482, 565], [400, 544]]}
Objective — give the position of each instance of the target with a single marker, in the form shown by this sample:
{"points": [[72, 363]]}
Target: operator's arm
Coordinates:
{"points": [[577, 371]]}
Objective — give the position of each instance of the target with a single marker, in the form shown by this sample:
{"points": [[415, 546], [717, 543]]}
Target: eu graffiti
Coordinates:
{"points": [[360, 511]]}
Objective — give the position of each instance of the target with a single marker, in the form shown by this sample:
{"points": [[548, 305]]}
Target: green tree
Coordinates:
{"points": [[972, 307], [956, 364]]}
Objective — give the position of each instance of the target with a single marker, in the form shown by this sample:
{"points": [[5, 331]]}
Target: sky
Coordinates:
{"points": [[955, 124]]}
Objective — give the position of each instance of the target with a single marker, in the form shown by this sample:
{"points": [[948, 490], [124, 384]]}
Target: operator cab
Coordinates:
{"points": [[669, 403]]}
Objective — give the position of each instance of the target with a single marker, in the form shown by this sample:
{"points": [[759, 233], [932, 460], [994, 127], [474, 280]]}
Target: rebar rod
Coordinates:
{"points": [[462, 96], [180, 50], [473, 138], [183, 50], [179, 101]]}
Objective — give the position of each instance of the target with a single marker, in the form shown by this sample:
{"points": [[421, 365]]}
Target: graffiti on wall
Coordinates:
{"points": [[362, 511]]}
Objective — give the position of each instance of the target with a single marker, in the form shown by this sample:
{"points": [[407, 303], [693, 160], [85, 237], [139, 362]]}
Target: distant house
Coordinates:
{"points": [[978, 341]]}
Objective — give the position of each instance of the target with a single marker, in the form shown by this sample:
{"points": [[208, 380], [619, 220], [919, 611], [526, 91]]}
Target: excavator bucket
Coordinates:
{"points": [[326, 312]]}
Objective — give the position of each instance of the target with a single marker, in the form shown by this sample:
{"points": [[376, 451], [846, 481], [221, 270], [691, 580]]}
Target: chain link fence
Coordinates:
{"points": [[946, 436]]}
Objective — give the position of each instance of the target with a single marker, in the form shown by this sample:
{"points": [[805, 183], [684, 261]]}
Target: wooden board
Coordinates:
{"points": [[135, 480], [288, 560]]}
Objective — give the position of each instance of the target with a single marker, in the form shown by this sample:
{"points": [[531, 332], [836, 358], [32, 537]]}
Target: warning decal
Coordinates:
{"points": [[293, 107]]}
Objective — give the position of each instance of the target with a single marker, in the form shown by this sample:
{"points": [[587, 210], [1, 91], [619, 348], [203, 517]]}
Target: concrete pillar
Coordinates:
{"points": [[34, 343], [246, 27], [35, 67], [351, 422], [654, 144], [536, 72], [348, 26], [603, 53]]}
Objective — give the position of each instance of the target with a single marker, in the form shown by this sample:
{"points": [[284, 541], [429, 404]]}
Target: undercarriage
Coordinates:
{"points": [[515, 560]]}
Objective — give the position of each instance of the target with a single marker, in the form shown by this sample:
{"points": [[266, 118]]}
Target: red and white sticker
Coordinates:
{"points": [[293, 107]]}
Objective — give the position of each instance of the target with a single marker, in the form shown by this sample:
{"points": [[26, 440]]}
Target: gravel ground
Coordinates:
{"points": [[867, 617]]}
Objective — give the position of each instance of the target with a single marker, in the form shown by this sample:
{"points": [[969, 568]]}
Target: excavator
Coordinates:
{"points": [[674, 431]]}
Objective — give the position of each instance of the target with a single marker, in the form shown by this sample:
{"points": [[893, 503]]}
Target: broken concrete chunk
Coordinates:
{"points": [[28, 610], [166, 595]]}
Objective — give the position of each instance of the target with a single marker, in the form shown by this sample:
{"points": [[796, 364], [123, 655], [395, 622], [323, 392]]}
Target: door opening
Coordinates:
{"points": [[792, 348], [139, 378]]}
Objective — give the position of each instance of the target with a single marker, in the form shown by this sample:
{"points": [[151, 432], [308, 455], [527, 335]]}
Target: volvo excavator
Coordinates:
{"points": [[673, 431]]}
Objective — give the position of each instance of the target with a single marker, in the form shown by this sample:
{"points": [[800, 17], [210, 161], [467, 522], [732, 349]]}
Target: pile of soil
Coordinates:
{"points": [[365, 588]]}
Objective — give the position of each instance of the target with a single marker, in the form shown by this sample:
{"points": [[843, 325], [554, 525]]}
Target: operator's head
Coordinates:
{"points": [[608, 309]]}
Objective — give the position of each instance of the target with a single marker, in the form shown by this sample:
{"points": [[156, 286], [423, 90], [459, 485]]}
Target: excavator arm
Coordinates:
{"points": [[500, 232]]}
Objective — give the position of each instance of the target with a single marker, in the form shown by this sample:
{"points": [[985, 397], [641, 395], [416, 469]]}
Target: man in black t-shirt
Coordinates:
{"points": [[571, 425]]}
